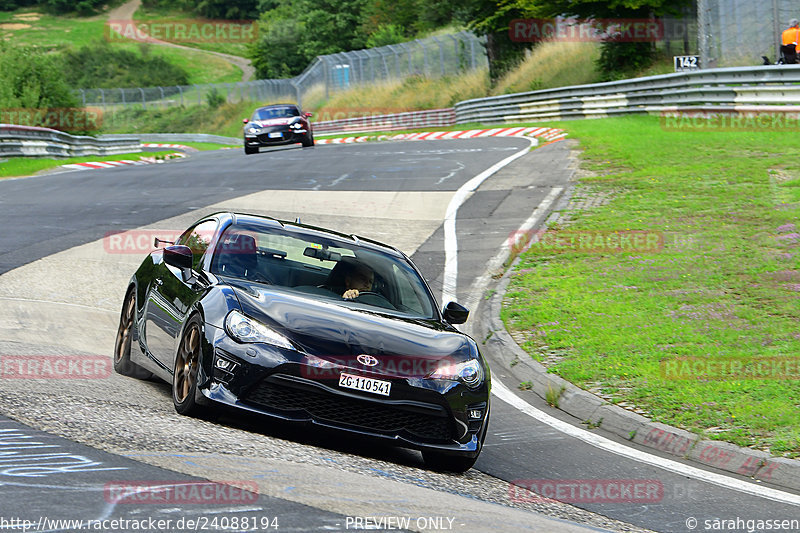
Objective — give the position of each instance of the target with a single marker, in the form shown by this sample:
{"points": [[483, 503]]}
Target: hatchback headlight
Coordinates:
{"points": [[244, 329], [253, 129], [470, 373]]}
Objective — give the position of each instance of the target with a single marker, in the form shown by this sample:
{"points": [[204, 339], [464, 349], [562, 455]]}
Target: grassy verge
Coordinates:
{"points": [[27, 166], [724, 288], [224, 120], [32, 28]]}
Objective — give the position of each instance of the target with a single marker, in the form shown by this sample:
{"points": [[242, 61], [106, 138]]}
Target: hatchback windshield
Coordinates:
{"points": [[320, 266]]}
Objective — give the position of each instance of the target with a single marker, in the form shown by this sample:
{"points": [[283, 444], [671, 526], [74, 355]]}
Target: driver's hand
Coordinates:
{"points": [[350, 294]]}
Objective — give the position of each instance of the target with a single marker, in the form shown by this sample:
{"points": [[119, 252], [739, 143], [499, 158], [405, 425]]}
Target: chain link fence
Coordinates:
{"points": [[433, 57], [736, 33]]}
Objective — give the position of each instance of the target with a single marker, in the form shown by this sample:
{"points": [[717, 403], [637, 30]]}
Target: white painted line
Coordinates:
{"points": [[449, 283], [482, 281], [505, 394]]}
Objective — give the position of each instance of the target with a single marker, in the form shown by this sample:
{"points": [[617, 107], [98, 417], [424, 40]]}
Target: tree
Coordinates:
{"points": [[617, 59], [492, 18], [294, 32]]}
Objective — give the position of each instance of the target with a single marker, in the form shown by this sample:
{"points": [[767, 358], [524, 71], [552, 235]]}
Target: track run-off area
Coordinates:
{"points": [[451, 205]]}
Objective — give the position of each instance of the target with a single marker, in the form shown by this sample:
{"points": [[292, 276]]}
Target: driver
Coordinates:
{"points": [[360, 277]]}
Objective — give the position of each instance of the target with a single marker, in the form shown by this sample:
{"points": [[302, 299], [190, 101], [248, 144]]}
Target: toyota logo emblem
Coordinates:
{"points": [[367, 360]]}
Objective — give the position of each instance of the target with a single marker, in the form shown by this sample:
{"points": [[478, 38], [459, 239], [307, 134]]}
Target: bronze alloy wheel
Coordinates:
{"points": [[122, 347], [187, 363]]}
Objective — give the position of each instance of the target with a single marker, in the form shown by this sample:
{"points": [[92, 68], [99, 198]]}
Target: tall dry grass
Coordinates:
{"points": [[410, 94], [553, 64]]}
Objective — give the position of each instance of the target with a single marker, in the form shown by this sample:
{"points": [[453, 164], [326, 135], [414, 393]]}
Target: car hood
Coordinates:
{"points": [[332, 331]]}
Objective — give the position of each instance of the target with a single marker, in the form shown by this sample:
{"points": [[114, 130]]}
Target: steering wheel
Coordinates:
{"points": [[377, 299]]}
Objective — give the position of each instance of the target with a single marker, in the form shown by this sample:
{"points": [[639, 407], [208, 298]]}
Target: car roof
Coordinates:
{"points": [[305, 229]]}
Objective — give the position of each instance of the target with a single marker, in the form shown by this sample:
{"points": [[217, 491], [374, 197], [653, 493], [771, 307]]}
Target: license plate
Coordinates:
{"points": [[275, 135], [375, 386]]}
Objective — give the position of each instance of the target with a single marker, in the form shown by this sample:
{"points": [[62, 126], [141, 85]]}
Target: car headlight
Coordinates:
{"points": [[253, 129], [297, 125], [245, 329], [470, 373]]}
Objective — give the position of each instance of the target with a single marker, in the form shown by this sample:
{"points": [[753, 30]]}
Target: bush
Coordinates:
{"points": [[101, 65], [214, 98], [619, 60], [29, 78]]}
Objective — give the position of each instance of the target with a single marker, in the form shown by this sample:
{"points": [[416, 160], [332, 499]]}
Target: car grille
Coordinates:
{"points": [[265, 138], [342, 410]]}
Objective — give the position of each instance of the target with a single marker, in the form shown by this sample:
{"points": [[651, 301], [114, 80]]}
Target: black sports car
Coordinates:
{"points": [[277, 124], [306, 325]]}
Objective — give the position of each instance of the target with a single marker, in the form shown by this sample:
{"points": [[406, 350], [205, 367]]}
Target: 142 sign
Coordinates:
{"points": [[686, 63]]}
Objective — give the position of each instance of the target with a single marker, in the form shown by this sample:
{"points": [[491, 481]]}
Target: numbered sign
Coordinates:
{"points": [[686, 63]]}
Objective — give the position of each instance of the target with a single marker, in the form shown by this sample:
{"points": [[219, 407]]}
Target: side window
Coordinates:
{"points": [[198, 239]]}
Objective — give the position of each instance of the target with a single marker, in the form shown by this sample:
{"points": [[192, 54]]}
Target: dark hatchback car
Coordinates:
{"points": [[259, 314], [276, 125]]}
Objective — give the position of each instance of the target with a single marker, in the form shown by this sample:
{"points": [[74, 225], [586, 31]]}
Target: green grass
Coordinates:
{"points": [[724, 286], [50, 31], [56, 32], [27, 166], [161, 14]]}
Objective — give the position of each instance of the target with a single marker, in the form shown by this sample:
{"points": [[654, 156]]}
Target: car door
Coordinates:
{"points": [[170, 298]]}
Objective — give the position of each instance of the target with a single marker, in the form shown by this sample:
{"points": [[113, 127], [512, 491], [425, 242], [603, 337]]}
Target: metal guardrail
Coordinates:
{"points": [[33, 141], [391, 122], [724, 88], [175, 138]]}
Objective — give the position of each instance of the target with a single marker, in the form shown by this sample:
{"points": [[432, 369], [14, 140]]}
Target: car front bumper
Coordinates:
{"points": [[420, 413]]}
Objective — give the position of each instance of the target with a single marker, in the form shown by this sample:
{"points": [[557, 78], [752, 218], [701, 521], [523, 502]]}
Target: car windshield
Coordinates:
{"points": [[268, 113], [323, 267]]}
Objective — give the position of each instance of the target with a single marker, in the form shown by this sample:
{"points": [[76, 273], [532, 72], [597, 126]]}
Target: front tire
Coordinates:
{"points": [[122, 347], [308, 140], [187, 365], [250, 149]]}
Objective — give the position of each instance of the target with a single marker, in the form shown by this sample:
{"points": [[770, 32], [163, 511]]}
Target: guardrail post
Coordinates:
{"points": [[180, 90], [162, 96], [144, 103]]}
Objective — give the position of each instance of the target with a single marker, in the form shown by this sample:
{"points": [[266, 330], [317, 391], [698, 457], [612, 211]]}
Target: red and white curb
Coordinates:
{"points": [[176, 146], [547, 134], [121, 162]]}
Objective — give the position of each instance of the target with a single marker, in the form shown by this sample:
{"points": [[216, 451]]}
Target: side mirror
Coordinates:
{"points": [[245, 121], [178, 256], [309, 115], [455, 313]]}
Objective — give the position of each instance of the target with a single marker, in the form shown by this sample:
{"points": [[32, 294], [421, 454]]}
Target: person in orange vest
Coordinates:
{"points": [[789, 40]]}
